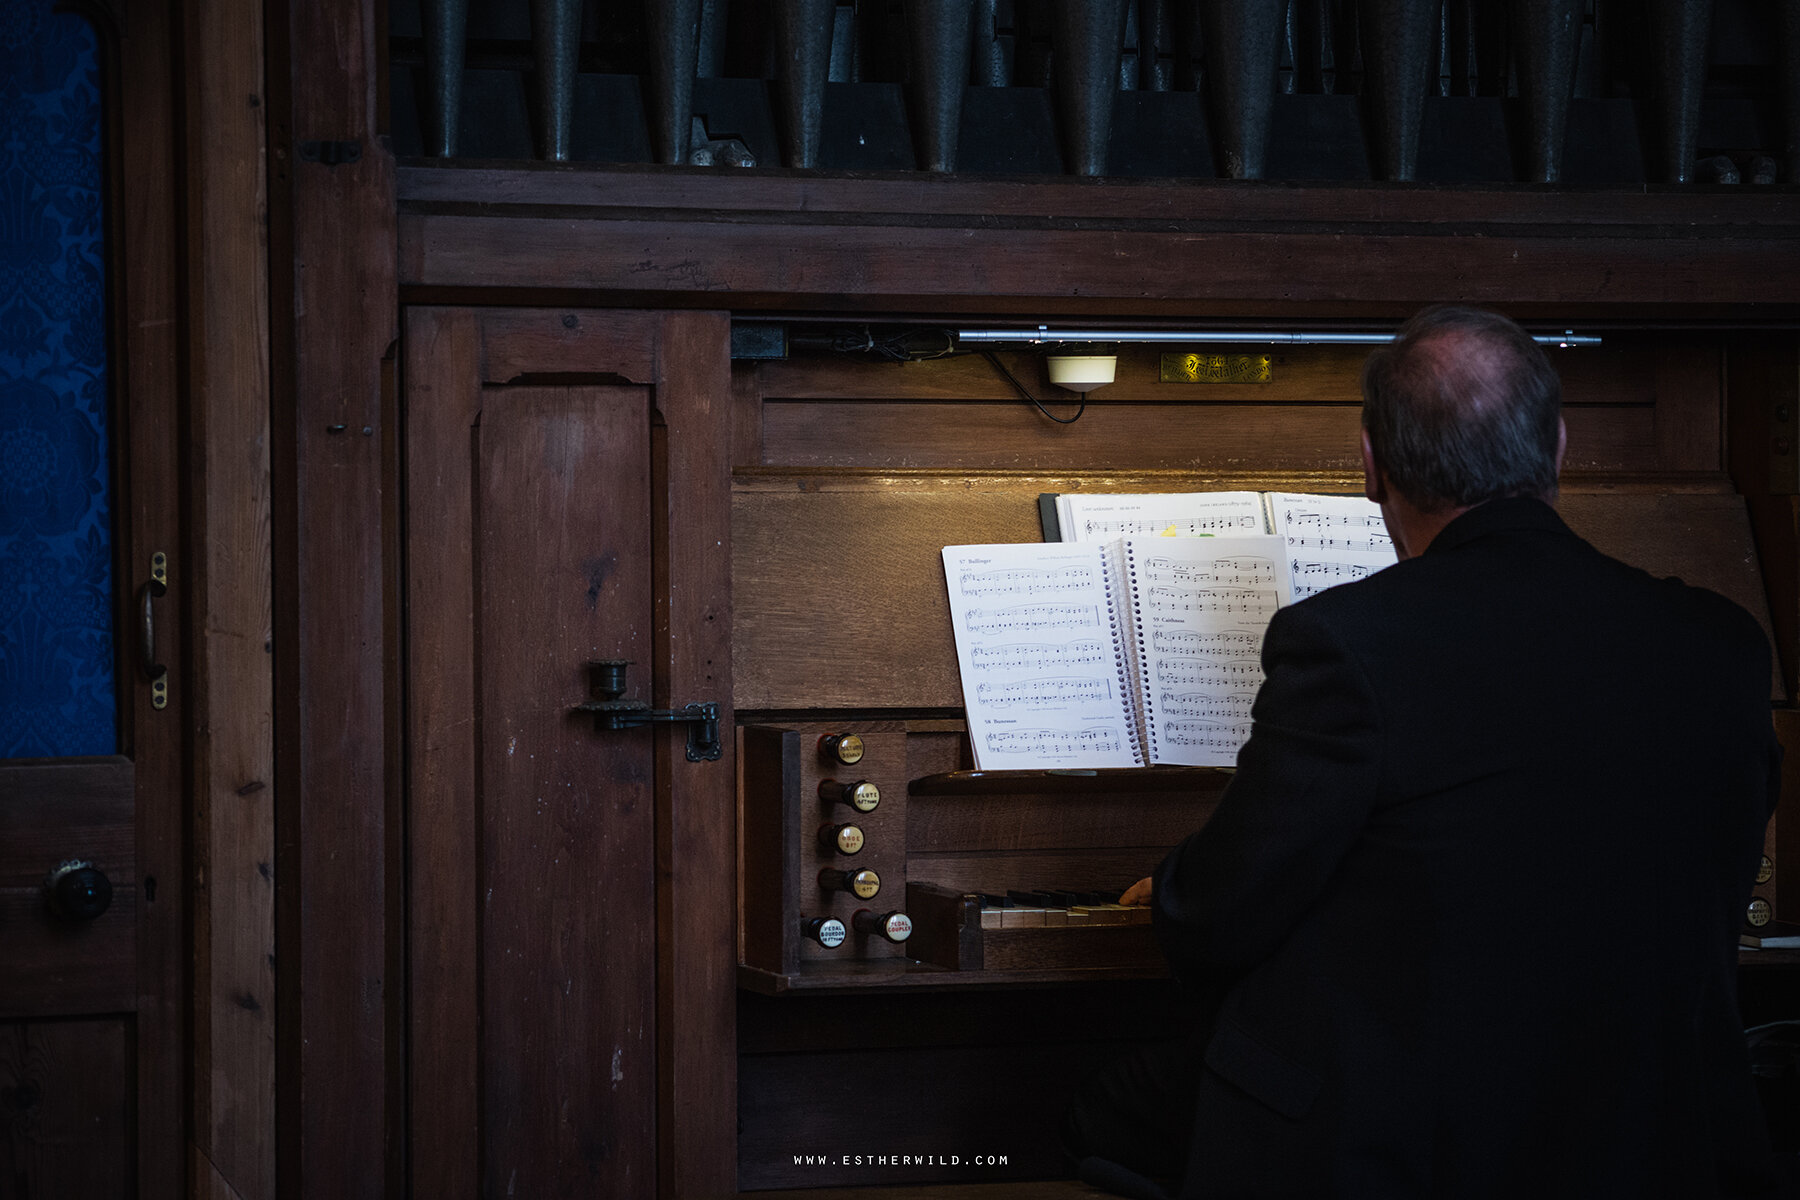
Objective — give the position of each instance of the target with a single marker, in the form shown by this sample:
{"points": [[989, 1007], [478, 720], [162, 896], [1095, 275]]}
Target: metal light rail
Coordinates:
{"points": [[1044, 335]]}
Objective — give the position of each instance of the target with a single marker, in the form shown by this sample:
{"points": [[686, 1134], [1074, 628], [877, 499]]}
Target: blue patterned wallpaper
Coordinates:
{"points": [[56, 656]]}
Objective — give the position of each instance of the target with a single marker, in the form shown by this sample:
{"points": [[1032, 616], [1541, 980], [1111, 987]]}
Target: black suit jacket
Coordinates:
{"points": [[1472, 899]]}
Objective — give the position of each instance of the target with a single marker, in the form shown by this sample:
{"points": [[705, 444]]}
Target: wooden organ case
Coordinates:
{"points": [[825, 483]]}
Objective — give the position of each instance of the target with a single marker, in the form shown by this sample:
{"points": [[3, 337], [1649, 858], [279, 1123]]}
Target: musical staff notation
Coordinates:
{"points": [[1027, 581], [1372, 542], [1193, 643], [1226, 572], [1233, 706], [1026, 617], [1034, 656], [1098, 529], [1304, 518], [1311, 578], [1206, 735], [1046, 691], [1240, 601], [1017, 741], [1237, 673]]}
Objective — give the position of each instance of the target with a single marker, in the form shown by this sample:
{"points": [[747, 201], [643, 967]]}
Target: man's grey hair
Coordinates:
{"points": [[1463, 407]]}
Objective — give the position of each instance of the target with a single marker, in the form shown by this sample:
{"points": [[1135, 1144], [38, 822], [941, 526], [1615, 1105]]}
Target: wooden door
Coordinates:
{"points": [[92, 1034], [566, 998]]}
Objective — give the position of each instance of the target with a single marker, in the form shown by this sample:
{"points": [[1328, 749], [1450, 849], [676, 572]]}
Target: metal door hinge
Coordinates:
{"points": [[606, 683]]}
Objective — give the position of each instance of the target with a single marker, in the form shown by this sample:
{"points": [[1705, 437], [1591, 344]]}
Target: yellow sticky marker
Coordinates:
{"points": [[1169, 532]]}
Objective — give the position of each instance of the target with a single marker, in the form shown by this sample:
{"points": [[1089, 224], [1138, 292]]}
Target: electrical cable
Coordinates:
{"points": [[999, 366]]}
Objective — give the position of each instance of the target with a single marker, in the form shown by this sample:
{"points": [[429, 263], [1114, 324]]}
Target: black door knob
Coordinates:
{"points": [[77, 891]]}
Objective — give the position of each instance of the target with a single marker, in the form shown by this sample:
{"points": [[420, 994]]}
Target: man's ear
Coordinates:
{"points": [[1374, 482], [1562, 443]]}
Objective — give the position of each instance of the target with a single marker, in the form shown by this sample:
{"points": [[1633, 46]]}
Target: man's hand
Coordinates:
{"points": [[1138, 893]]}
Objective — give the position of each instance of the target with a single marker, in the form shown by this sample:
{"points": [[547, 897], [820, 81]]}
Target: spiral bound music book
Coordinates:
{"points": [[1136, 651], [1141, 649]]}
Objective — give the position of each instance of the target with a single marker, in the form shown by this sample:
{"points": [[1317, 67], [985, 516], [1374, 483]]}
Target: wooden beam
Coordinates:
{"points": [[620, 236], [233, 763], [335, 312], [697, 806]]}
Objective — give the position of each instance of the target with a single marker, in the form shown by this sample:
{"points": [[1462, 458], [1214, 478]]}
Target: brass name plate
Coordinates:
{"points": [[1214, 368]]}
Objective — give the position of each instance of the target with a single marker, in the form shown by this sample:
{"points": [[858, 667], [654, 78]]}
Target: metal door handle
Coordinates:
{"points": [[77, 891], [157, 587]]}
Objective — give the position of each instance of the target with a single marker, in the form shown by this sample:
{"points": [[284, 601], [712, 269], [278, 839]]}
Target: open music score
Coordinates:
{"points": [[1330, 539], [1101, 517], [1181, 621], [1197, 643], [1042, 680], [1087, 652]]}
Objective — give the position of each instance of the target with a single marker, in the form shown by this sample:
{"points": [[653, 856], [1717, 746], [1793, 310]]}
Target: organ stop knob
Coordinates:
{"points": [[827, 931], [862, 795], [894, 926], [845, 748], [862, 884], [845, 839]]}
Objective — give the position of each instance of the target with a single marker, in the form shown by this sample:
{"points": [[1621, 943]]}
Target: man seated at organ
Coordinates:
{"points": [[1388, 928]]}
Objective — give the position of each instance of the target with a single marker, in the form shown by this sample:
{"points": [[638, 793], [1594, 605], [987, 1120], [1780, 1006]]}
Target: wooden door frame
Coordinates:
{"points": [[138, 48], [451, 354]]}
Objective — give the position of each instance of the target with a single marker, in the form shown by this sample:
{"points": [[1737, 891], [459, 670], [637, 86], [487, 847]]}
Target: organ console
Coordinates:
{"points": [[978, 907]]}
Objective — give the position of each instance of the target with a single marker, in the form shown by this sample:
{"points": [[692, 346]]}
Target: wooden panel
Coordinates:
{"points": [[443, 400], [1179, 250], [234, 818], [876, 435], [1085, 870], [334, 321], [1450, 212], [771, 805], [1704, 540], [51, 811], [57, 968], [978, 1104], [67, 1088], [563, 555], [818, 573], [839, 597], [534, 342], [697, 834], [1041, 822], [1690, 407]]}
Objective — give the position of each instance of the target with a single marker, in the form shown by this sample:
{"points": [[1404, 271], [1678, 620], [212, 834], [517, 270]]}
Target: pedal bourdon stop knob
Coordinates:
{"points": [[829, 932]]}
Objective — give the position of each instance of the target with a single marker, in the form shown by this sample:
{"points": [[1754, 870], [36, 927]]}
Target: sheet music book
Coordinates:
{"points": [[1121, 651], [1330, 539]]}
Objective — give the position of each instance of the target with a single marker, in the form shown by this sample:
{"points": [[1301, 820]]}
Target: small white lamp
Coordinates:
{"points": [[1082, 372]]}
